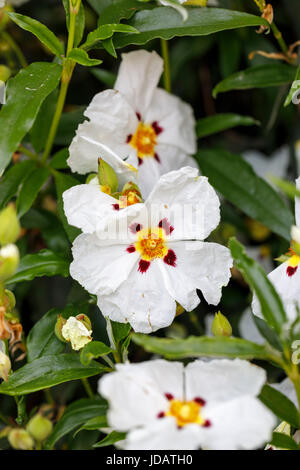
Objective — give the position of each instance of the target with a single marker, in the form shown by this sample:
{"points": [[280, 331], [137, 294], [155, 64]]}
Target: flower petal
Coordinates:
{"points": [[138, 76], [248, 328], [297, 203]]}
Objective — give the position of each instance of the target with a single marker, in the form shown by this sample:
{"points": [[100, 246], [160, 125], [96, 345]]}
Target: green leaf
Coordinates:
{"points": [[120, 331], [295, 89], [25, 94], [105, 76], [105, 32], [59, 160], [288, 188], [48, 371], [221, 122], [12, 179], [280, 405], [195, 346], [267, 333], [80, 22], [260, 76], [109, 47], [74, 416], [270, 302], [44, 263], [81, 57], [42, 124], [41, 31], [64, 182], [93, 424], [166, 23], [283, 441], [68, 125], [93, 350], [233, 177], [111, 439], [30, 189], [118, 10]]}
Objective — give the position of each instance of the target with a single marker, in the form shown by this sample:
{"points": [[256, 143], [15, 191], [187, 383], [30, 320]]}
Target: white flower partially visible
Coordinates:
{"points": [[75, 332], [148, 256], [150, 128], [209, 405], [275, 165]]}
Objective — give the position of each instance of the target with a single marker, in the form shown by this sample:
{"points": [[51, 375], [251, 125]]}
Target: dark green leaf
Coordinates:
{"points": [[280, 405], [44, 263], [201, 346], [235, 179], [64, 182], [12, 179], [270, 302], [295, 89], [120, 331], [283, 441], [105, 32], [81, 57], [93, 424], [74, 416], [41, 31], [48, 371], [260, 76], [93, 350], [25, 94], [117, 10], [111, 439], [40, 129], [267, 332], [30, 189], [109, 47], [221, 122], [166, 23], [68, 125], [59, 160]]}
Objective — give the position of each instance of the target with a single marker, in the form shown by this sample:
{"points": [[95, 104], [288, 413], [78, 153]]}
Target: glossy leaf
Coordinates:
{"points": [[260, 76], [105, 32], [283, 441], [30, 189], [267, 333], [44, 263], [201, 346], [271, 304], [93, 350], [25, 94], [12, 179], [64, 182], [81, 57], [117, 10], [59, 160], [74, 416], [221, 122], [233, 177], [41, 31], [120, 331], [166, 23], [48, 371], [280, 405], [93, 424], [40, 130], [111, 439]]}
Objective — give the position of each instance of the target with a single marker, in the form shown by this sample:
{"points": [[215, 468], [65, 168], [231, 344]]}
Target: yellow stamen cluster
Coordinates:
{"points": [[151, 243], [185, 412], [144, 140]]}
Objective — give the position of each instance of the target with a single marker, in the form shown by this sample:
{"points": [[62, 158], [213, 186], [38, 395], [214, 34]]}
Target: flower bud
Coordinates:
{"points": [[179, 309], [9, 225], [5, 73], [221, 326], [60, 322], [130, 195], [107, 177], [5, 366], [93, 177], [76, 332], [20, 439], [9, 300], [9, 261], [4, 18], [39, 427]]}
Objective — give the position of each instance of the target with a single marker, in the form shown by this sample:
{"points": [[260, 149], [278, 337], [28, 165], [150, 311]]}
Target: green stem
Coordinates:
{"points": [[14, 46], [28, 153], [167, 74], [87, 388], [279, 38], [108, 361]]}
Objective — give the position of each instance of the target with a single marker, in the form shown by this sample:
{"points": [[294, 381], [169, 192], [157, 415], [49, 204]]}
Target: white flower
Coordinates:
{"points": [[141, 123], [156, 256], [286, 277], [212, 405], [76, 332], [275, 165]]}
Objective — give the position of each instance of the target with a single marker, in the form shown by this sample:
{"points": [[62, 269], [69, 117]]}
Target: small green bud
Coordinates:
{"points": [[9, 225], [107, 177], [20, 439], [4, 18], [5, 366], [130, 195], [85, 320], [9, 261], [221, 326], [91, 177], [179, 309], [5, 73], [9, 300], [58, 328], [39, 427]]}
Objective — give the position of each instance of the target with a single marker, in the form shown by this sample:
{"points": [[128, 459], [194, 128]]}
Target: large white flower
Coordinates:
{"points": [[138, 121], [147, 256], [212, 405], [286, 277]]}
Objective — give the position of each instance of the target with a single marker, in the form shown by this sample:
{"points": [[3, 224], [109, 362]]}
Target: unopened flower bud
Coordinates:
{"points": [[60, 322], [107, 177], [9, 261], [9, 300], [92, 178], [5, 73], [130, 195], [39, 427], [9, 225], [20, 439], [77, 332], [179, 309], [221, 326], [5, 366]]}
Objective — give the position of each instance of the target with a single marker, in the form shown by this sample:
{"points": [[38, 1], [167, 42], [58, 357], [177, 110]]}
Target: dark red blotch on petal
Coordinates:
{"points": [[157, 128], [134, 228], [161, 414], [129, 137], [157, 158], [291, 271], [116, 207], [138, 115], [130, 249], [200, 401], [169, 396], [140, 160], [207, 424], [143, 266], [165, 224], [170, 258]]}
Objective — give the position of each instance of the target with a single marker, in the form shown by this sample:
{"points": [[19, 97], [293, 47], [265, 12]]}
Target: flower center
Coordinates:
{"points": [[151, 243], [185, 412], [293, 263], [144, 140]]}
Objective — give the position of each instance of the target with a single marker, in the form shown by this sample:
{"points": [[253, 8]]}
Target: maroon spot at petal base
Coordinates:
{"points": [[157, 158], [129, 137], [291, 271], [130, 249], [134, 228], [161, 414], [143, 266], [157, 128], [165, 224], [140, 160], [138, 115], [200, 401], [207, 423], [169, 396], [116, 207], [170, 258]]}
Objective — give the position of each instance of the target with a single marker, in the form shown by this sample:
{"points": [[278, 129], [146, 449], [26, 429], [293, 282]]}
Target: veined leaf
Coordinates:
{"points": [[12, 179], [111, 439], [106, 31], [81, 57], [30, 188], [117, 10], [221, 122], [93, 350], [280, 405]]}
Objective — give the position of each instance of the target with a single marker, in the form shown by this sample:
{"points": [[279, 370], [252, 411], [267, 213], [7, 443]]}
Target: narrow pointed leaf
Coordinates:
{"points": [[30, 188], [280, 405], [221, 122]]}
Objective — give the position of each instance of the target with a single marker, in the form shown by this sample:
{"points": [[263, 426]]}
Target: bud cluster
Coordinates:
{"points": [[36, 432]]}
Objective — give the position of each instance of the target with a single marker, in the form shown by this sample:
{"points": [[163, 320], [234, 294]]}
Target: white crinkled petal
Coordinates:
{"points": [[100, 266], [141, 388], [223, 380], [138, 76], [188, 201], [142, 300], [176, 118]]}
